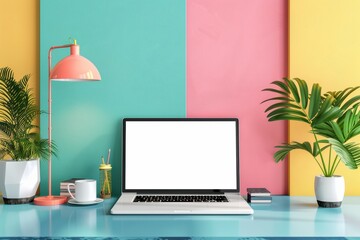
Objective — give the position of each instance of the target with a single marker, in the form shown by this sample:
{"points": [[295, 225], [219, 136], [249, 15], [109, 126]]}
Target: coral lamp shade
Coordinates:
{"points": [[75, 68]]}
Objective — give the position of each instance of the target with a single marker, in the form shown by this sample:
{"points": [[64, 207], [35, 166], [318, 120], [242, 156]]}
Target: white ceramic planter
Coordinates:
{"points": [[19, 180], [329, 191]]}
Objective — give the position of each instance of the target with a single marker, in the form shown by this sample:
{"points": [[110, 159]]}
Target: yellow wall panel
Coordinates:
{"points": [[324, 47], [19, 42]]}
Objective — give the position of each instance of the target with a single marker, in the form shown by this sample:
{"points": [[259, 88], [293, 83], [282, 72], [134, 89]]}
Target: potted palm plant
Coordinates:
{"points": [[20, 142], [334, 120]]}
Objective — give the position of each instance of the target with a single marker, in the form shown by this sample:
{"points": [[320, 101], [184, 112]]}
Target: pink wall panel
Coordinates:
{"points": [[235, 48]]}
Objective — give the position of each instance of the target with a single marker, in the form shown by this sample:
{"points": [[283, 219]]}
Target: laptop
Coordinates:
{"points": [[180, 166]]}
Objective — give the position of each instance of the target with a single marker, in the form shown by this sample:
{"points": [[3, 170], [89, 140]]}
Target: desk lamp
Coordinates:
{"points": [[72, 68]]}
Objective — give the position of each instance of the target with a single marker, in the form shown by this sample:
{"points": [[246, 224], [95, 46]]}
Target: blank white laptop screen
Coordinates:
{"points": [[181, 154]]}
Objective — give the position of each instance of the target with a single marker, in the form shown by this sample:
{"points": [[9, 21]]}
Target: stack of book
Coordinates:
{"points": [[64, 184], [258, 195]]}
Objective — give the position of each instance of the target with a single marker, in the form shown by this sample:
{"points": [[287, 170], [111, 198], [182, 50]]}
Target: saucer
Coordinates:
{"points": [[73, 201]]}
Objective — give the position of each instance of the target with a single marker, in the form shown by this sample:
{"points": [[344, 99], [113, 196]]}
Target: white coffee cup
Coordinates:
{"points": [[85, 190]]}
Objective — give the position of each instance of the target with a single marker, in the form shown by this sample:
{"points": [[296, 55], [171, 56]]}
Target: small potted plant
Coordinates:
{"points": [[20, 142], [334, 120]]}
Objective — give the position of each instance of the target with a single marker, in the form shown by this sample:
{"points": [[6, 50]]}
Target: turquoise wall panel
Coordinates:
{"points": [[139, 48]]}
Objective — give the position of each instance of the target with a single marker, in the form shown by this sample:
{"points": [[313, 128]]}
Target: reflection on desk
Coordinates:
{"points": [[284, 217]]}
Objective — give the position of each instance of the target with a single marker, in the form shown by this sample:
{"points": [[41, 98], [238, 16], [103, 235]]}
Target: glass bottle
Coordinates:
{"points": [[105, 180]]}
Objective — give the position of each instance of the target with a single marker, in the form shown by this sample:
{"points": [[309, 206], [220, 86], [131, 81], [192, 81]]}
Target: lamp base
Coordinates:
{"points": [[50, 200]]}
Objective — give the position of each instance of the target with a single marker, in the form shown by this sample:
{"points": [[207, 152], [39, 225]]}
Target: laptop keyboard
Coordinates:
{"points": [[180, 198]]}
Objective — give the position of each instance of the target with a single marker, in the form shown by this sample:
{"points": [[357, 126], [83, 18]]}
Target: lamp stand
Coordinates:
{"points": [[50, 199]]}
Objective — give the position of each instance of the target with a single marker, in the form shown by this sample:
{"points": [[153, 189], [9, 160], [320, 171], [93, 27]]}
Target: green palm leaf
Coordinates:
{"points": [[326, 111], [287, 112], [353, 101], [288, 117], [315, 100], [281, 85], [345, 128], [293, 89], [328, 115], [324, 129], [286, 148], [304, 92], [349, 153], [282, 105], [288, 104], [341, 96], [350, 123], [20, 139]]}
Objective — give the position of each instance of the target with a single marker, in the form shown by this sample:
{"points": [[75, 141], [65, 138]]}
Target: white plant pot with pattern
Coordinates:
{"points": [[19, 180]]}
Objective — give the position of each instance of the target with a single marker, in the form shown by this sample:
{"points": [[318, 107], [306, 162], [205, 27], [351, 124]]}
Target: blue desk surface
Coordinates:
{"points": [[285, 216]]}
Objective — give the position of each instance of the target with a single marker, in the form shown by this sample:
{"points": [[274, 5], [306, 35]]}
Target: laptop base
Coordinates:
{"points": [[236, 206]]}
